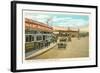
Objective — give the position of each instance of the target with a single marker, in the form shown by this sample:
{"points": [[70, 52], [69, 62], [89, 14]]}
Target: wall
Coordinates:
{"points": [[5, 36]]}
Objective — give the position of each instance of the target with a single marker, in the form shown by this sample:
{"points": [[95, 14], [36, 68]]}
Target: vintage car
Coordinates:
{"points": [[62, 42]]}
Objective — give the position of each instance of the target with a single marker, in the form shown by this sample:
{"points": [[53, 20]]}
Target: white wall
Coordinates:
{"points": [[5, 36]]}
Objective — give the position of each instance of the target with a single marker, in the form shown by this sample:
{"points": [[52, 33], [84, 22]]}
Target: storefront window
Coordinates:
{"points": [[32, 38], [28, 38], [39, 38]]}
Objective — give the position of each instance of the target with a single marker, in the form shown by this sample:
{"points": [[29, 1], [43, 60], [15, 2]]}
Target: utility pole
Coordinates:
{"points": [[78, 33], [48, 20]]}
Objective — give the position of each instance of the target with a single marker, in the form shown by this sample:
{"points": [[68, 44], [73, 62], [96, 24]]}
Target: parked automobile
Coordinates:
{"points": [[62, 42]]}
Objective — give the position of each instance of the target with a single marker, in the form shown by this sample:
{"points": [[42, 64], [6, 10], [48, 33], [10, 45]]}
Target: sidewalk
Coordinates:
{"points": [[34, 53]]}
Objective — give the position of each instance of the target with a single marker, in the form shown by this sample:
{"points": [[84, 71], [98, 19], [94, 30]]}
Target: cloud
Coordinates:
{"points": [[42, 16], [38, 17], [78, 22], [56, 20], [71, 23]]}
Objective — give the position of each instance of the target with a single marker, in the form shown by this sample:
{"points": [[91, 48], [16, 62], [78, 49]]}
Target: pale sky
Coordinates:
{"points": [[57, 19]]}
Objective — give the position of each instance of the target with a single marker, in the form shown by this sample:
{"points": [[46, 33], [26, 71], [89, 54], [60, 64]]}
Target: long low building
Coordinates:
{"points": [[37, 35]]}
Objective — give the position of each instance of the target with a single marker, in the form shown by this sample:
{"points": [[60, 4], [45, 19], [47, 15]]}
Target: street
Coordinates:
{"points": [[76, 48]]}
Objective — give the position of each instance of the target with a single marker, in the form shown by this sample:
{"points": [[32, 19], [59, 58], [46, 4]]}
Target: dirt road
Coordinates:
{"points": [[75, 48]]}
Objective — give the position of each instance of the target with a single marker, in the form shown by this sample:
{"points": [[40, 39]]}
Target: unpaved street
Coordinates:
{"points": [[75, 48]]}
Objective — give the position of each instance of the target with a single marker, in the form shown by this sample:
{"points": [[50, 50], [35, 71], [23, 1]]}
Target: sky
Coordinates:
{"points": [[60, 19]]}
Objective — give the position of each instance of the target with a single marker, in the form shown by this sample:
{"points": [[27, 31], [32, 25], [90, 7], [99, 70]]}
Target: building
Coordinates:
{"points": [[37, 35], [67, 32]]}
